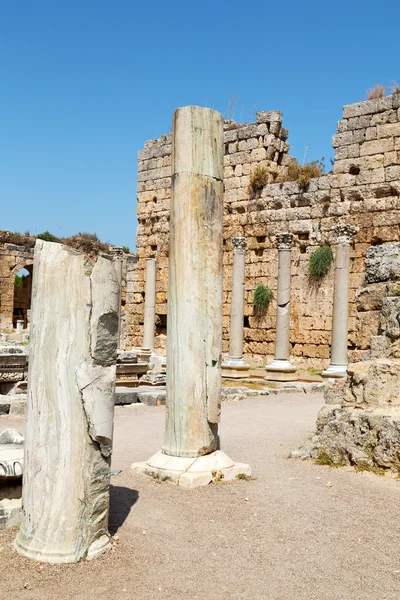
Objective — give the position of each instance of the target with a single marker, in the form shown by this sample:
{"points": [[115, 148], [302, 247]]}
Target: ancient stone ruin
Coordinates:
{"points": [[362, 191], [217, 216], [360, 424]]}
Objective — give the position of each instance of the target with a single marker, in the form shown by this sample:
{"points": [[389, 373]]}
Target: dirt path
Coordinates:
{"points": [[284, 536]]}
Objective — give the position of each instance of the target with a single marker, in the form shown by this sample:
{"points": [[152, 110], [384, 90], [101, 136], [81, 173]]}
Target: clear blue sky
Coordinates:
{"points": [[85, 83]]}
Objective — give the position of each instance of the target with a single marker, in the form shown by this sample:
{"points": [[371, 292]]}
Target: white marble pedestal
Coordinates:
{"points": [[280, 370], [235, 368], [191, 472]]}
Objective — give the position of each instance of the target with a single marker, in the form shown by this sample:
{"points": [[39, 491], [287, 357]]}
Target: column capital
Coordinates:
{"points": [[284, 241], [117, 251], [239, 245], [344, 233]]}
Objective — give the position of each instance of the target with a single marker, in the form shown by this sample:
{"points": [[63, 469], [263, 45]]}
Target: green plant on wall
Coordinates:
{"points": [[261, 300], [320, 261]]}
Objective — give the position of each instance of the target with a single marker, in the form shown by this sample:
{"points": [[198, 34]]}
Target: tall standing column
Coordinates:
{"points": [[235, 367], [281, 369], [118, 254], [338, 364], [150, 305], [70, 406], [189, 455]]}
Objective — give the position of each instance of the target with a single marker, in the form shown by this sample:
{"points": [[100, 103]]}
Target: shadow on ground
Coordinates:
{"points": [[121, 501]]}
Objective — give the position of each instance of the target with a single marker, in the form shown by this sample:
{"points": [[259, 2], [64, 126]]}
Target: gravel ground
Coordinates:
{"points": [[284, 536]]}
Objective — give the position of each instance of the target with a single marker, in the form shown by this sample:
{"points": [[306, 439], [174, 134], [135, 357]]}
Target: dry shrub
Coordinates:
{"points": [[394, 88], [376, 92], [259, 178], [16, 238], [303, 174], [88, 243]]}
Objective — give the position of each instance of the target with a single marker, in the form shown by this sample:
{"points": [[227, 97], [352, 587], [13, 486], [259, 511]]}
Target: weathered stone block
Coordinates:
{"points": [[356, 437], [269, 116], [382, 263]]}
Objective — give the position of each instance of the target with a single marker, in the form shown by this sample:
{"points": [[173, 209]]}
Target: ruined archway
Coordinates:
{"points": [[22, 295]]}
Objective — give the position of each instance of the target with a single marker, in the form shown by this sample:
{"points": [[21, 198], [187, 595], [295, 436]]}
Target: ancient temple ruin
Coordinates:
{"points": [[362, 191]]}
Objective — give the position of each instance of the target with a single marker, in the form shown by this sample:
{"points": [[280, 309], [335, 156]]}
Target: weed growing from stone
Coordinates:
{"points": [[303, 174], [326, 459], [376, 92], [259, 178], [262, 298], [320, 262]]}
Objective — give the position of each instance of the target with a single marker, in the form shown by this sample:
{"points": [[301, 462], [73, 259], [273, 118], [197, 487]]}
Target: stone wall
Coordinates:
{"points": [[363, 190], [13, 258]]}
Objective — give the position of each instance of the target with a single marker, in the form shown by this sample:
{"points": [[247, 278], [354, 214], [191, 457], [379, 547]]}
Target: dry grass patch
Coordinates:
{"points": [[378, 91]]}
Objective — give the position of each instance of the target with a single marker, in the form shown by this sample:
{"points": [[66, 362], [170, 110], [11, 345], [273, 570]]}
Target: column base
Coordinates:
{"points": [[191, 472], [31, 548], [235, 368], [335, 371], [280, 370]]}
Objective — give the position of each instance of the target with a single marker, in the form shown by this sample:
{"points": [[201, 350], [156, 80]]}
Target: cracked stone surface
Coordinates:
{"points": [[70, 406]]}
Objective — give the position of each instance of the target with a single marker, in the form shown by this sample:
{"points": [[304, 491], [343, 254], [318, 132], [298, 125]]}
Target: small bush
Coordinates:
{"points": [[303, 174], [320, 261], [259, 178], [48, 237], [88, 243], [376, 92], [262, 298], [126, 249], [9, 237]]}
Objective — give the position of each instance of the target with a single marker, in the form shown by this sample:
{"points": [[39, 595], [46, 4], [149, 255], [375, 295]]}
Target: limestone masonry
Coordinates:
{"points": [[362, 191]]}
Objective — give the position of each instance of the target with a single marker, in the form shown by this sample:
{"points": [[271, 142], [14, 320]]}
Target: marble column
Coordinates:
{"points": [[281, 369], [338, 363], [235, 367], [189, 456], [150, 305], [70, 406], [118, 255]]}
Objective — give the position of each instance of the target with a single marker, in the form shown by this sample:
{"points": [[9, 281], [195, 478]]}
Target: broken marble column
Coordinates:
{"points": [[20, 327], [281, 369], [11, 468], [149, 305], [118, 255], [190, 455], [235, 367], [70, 406], [338, 363]]}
